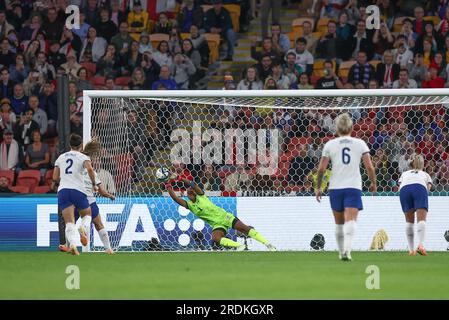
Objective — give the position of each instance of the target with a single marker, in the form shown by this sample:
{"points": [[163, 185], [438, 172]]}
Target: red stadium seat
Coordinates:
{"points": [[98, 81], [41, 190], [8, 174], [91, 69], [21, 189], [122, 81], [29, 178], [48, 177]]}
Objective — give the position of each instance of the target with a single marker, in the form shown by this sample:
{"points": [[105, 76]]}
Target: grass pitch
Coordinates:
{"points": [[223, 275]]}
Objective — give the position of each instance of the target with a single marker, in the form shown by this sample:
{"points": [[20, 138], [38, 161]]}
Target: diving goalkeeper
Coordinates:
{"points": [[219, 219]]}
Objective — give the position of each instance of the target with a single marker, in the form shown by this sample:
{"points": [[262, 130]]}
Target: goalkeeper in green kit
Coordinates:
{"points": [[219, 219]]}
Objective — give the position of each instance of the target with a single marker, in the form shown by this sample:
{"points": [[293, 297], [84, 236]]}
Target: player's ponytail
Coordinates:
{"points": [[92, 148], [343, 124], [417, 162]]}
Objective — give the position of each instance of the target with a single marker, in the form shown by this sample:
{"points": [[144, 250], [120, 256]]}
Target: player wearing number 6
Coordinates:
{"points": [[72, 193], [345, 185]]}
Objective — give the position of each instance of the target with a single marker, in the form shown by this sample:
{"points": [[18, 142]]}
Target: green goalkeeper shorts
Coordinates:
{"points": [[224, 222]]}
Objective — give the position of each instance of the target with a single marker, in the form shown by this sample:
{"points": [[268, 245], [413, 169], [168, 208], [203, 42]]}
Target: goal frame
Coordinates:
{"points": [[88, 95]]}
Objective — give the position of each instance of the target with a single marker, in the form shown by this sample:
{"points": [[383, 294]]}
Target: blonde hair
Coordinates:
{"points": [[92, 148], [417, 162], [343, 123]]}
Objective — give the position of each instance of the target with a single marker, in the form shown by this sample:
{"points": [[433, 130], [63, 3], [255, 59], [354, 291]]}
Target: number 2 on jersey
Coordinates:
{"points": [[70, 164], [345, 156]]}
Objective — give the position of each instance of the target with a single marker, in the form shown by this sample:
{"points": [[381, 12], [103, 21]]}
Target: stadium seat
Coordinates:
{"points": [[91, 69], [156, 38], [122, 81], [321, 25], [397, 25], [343, 71], [435, 19], [21, 189], [374, 63], [213, 41], [185, 35], [41, 190], [98, 81], [298, 22], [234, 11], [318, 67], [29, 178], [48, 177], [8, 174]]}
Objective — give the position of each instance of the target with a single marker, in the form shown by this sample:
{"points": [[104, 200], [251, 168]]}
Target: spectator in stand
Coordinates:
{"points": [[163, 25], [432, 36], [362, 40], [291, 69], [132, 59], [282, 81], [403, 56], [84, 27], [199, 42], [55, 57], [19, 101], [281, 42], [39, 116], [91, 11], [76, 126], [218, 21], [361, 71], [182, 68], [407, 33], [117, 15], [251, 81], [138, 81], [47, 71], [304, 82], [381, 136], [18, 71], [443, 26], [264, 67], [270, 84], [30, 30], [137, 20], [162, 55], [48, 103], [9, 152], [330, 79], [31, 51], [52, 26], [238, 180], [417, 70], [24, 129], [303, 57], [105, 27], [307, 34], [122, 41], [151, 69], [5, 185], [267, 49], [93, 48], [7, 115], [418, 23], [432, 79], [329, 45], [71, 67], [144, 43], [109, 65], [382, 40], [427, 125], [387, 71], [165, 80], [7, 57], [37, 155], [404, 82], [82, 82], [190, 14], [209, 179], [345, 33], [265, 7], [190, 52]]}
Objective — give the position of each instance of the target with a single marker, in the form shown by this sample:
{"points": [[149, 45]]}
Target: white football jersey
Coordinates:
{"points": [[71, 166], [88, 185], [414, 177], [345, 154]]}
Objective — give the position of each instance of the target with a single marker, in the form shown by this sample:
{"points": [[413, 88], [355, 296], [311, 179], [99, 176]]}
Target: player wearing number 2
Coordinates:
{"points": [[414, 185], [345, 185], [72, 194]]}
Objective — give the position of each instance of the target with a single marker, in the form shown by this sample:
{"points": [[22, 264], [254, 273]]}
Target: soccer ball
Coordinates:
{"points": [[446, 235], [162, 174], [317, 242]]}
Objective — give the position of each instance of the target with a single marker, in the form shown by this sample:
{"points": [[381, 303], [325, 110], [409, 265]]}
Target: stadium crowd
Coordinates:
{"points": [[167, 45]]}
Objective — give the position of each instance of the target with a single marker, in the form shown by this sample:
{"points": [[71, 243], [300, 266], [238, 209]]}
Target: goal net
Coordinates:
{"points": [[255, 154]]}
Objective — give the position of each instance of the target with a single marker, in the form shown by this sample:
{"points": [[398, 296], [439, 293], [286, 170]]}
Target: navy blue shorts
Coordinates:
{"points": [[345, 198], [414, 197], [72, 197], [93, 208]]}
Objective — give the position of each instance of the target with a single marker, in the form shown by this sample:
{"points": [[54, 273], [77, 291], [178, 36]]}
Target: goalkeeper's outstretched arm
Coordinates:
{"points": [[194, 186]]}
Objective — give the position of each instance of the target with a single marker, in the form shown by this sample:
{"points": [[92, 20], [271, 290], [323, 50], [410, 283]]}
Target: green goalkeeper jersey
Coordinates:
{"points": [[215, 216]]}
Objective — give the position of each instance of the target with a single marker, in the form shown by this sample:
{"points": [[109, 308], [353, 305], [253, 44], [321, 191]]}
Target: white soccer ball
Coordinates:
{"points": [[162, 174]]}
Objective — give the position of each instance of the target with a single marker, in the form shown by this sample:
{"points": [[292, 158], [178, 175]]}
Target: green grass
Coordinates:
{"points": [[223, 275]]}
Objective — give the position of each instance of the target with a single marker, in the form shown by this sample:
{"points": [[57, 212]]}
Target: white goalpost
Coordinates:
{"points": [[255, 154]]}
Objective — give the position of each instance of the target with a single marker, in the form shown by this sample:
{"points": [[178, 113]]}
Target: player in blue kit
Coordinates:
{"points": [[345, 184], [72, 193], [414, 185]]}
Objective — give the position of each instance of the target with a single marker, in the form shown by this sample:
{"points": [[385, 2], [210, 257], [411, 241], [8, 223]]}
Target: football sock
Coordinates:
{"points": [[349, 230], [410, 233], [257, 236], [421, 232], [70, 233], [85, 222], [225, 242], [340, 237], [104, 238]]}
